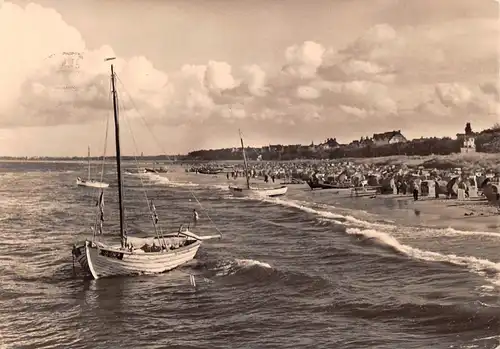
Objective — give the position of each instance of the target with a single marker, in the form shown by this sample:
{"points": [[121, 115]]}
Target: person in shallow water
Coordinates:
{"points": [[195, 218], [415, 192]]}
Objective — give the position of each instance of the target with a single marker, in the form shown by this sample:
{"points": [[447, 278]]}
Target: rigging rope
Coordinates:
{"points": [[98, 192], [163, 150], [140, 177]]}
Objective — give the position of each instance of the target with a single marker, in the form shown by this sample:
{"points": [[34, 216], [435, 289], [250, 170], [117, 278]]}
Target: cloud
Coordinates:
{"points": [[453, 95], [390, 74], [255, 78], [303, 60], [307, 92], [218, 76], [361, 113]]}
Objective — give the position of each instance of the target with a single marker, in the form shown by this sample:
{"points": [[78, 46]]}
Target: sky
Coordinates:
{"points": [[191, 73]]}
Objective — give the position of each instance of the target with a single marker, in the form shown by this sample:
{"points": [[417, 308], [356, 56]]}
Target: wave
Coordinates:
{"points": [[380, 233], [231, 267], [164, 180], [311, 208], [486, 268], [316, 209]]}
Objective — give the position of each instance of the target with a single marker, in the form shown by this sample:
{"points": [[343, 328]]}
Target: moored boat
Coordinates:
{"points": [[156, 253], [253, 191], [269, 192], [340, 190], [91, 183], [322, 185]]}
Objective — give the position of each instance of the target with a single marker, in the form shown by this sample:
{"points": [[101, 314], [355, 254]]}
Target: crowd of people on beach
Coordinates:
{"points": [[390, 179]]}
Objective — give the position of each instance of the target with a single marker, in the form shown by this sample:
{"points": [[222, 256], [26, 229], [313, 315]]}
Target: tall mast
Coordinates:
{"points": [[118, 159], [247, 174], [88, 157]]}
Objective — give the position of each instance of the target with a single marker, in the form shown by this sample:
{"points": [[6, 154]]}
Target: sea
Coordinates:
{"points": [[298, 271]]}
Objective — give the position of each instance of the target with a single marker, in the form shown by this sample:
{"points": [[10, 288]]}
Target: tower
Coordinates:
{"points": [[469, 144]]}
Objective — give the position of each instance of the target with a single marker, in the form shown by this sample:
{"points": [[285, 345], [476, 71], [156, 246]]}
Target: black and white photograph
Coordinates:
{"points": [[265, 174]]}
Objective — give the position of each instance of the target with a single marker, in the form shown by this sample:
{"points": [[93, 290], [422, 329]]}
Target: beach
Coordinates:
{"points": [[400, 209]]}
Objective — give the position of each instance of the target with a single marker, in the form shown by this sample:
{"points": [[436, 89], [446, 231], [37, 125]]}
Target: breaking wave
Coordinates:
{"points": [[490, 270], [155, 178]]}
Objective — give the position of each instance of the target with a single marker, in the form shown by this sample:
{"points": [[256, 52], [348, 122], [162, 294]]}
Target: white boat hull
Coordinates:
{"points": [[91, 183], [102, 261], [266, 192]]}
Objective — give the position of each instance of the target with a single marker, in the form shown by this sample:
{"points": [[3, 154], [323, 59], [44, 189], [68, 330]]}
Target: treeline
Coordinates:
{"points": [[487, 141]]}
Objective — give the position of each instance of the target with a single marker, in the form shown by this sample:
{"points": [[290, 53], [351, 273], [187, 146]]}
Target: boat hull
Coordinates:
{"points": [[102, 261], [210, 171], [91, 184], [318, 185], [266, 192]]}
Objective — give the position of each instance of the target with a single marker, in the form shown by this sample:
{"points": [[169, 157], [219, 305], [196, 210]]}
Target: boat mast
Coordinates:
{"points": [[247, 174], [118, 159], [88, 156]]}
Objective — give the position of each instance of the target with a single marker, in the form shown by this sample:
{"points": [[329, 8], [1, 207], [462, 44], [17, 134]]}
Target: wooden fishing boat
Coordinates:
{"points": [[90, 183], [255, 191], [156, 253]]}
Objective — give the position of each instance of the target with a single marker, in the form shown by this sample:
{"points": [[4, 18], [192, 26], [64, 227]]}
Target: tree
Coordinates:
{"points": [[468, 129]]}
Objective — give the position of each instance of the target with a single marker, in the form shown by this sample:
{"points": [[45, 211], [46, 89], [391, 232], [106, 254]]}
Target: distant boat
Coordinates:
{"points": [[344, 190], [253, 191], [210, 171], [322, 185], [91, 183], [156, 170], [154, 254]]}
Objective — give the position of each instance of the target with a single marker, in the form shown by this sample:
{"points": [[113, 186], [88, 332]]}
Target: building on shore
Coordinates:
{"points": [[390, 137], [467, 140]]}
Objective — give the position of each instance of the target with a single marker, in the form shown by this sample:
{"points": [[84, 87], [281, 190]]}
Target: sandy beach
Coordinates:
{"points": [[469, 215], [403, 210]]}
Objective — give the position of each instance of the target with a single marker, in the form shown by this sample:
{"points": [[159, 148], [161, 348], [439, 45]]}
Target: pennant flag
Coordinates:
{"points": [[100, 203]]}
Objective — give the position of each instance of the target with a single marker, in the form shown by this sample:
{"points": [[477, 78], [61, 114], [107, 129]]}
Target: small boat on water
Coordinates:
{"points": [[155, 170], [156, 253], [254, 191], [91, 183]]}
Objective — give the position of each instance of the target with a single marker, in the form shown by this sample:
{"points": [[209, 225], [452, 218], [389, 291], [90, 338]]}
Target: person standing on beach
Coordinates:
{"points": [[415, 192]]}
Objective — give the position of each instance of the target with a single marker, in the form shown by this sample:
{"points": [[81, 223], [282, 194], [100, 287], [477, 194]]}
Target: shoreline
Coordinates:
{"points": [[398, 209], [468, 215]]}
